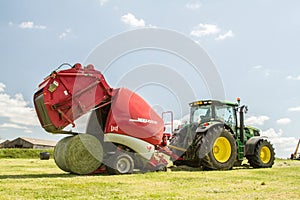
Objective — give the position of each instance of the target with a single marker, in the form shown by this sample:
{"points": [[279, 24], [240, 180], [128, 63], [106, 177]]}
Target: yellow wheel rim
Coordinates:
{"points": [[265, 154], [222, 149]]}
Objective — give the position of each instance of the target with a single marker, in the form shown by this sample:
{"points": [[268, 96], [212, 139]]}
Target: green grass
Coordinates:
{"points": [[23, 153], [41, 179]]}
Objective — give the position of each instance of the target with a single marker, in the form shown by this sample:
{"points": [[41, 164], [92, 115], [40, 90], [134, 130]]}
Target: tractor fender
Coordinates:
{"points": [[145, 149], [202, 128], [251, 144]]}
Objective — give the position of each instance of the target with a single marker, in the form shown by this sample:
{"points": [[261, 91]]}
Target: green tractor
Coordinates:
{"points": [[217, 139]]}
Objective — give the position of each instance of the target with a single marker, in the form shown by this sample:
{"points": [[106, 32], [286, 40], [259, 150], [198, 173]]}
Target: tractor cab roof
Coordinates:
{"points": [[210, 102]]}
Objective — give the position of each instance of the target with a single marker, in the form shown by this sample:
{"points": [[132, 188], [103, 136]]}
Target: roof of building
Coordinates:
{"points": [[3, 141], [38, 141]]}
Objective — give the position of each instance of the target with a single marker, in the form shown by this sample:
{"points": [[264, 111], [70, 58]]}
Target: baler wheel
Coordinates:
{"points": [[120, 163], [161, 168], [264, 155]]}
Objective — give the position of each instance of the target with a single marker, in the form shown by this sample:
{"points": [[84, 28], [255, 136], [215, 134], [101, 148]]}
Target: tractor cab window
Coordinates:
{"points": [[225, 114], [201, 114]]}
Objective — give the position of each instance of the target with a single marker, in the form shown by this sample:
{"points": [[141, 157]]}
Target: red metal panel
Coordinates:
{"points": [[131, 115], [69, 94]]}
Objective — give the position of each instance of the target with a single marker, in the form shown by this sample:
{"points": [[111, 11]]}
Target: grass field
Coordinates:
{"points": [[41, 179], [23, 153]]}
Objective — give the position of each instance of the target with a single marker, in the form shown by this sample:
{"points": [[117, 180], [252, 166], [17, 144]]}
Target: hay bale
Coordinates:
{"points": [[80, 154], [60, 153], [84, 154], [44, 155]]}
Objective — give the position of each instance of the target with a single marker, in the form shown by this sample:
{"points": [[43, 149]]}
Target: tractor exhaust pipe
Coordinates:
{"points": [[242, 109], [242, 125]]}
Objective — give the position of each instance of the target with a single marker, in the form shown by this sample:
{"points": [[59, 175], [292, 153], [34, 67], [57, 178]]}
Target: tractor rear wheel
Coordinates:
{"points": [[120, 163], [264, 155], [223, 153]]}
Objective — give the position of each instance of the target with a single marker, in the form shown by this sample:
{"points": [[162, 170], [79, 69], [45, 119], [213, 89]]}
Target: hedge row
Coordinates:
{"points": [[23, 153]]}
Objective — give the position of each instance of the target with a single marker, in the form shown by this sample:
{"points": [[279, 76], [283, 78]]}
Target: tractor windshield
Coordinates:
{"points": [[225, 113], [220, 112], [201, 114]]}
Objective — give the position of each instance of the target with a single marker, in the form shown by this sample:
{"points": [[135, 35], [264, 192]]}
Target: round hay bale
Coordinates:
{"points": [[44, 155], [84, 154], [60, 153], [80, 154]]}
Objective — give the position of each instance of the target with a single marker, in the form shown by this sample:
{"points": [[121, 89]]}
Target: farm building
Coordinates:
{"points": [[23, 142], [3, 143]]}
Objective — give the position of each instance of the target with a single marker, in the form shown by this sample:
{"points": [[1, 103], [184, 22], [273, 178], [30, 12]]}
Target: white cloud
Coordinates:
{"points": [[25, 25], [10, 125], [259, 120], [204, 30], [102, 2], [132, 21], [31, 25], [16, 109], [176, 124], [294, 109], [296, 78], [2, 87], [284, 146], [66, 34], [6, 126], [283, 121], [10, 23], [28, 131], [116, 8], [267, 72], [211, 30], [271, 133], [257, 67], [228, 34], [193, 5], [185, 119], [263, 70]]}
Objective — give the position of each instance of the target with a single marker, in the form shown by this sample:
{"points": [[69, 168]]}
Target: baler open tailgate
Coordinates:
{"points": [[61, 100], [43, 114]]}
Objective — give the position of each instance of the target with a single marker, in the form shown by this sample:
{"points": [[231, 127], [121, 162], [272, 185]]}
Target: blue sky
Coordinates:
{"points": [[254, 44]]}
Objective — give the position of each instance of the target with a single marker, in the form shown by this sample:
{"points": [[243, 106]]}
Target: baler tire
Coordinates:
{"points": [[223, 153], [120, 163], [264, 155], [161, 168]]}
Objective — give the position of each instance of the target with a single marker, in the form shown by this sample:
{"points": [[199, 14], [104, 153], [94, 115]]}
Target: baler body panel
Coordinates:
{"points": [[66, 95], [133, 116]]}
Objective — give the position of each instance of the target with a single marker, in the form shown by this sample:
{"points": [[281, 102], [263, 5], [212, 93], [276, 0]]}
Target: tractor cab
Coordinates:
{"points": [[228, 113], [206, 111]]}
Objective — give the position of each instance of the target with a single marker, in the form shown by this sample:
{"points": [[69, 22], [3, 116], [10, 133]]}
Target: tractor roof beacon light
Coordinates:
{"points": [[238, 100]]}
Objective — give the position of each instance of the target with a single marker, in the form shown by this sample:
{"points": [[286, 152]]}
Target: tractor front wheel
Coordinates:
{"points": [[120, 163], [223, 153], [264, 155]]}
